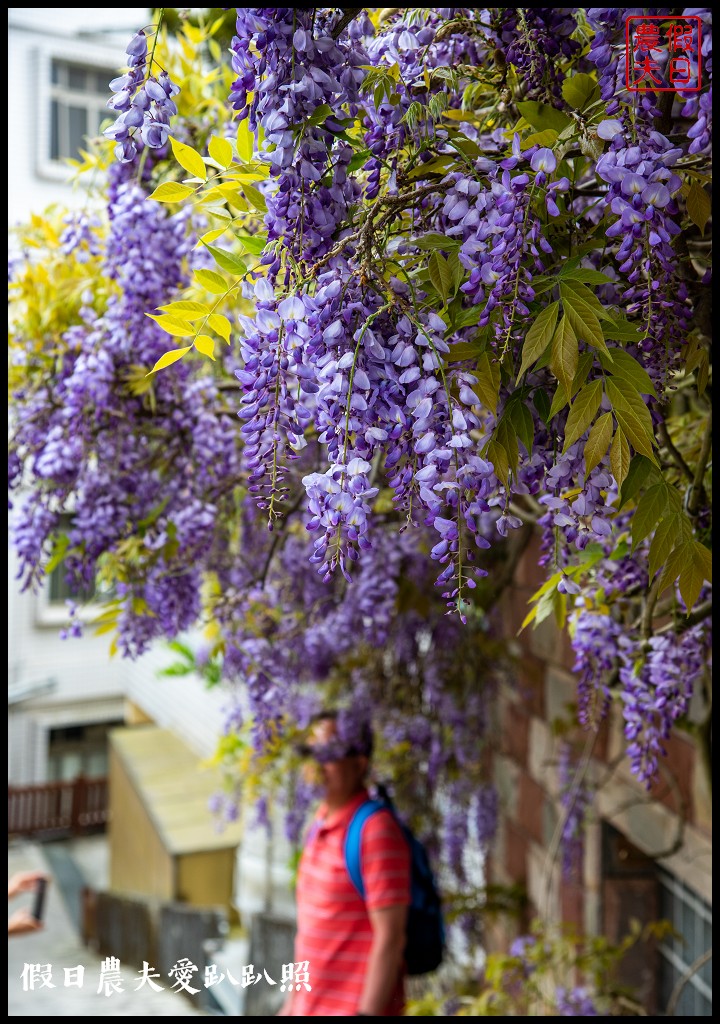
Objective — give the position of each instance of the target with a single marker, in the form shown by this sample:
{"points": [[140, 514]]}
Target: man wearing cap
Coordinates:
{"points": [[353, 947]]}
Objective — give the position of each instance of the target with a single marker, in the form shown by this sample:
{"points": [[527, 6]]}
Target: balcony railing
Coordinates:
{"points": [[58, 809]]}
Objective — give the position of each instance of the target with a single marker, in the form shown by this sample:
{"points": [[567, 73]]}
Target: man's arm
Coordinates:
{"points": [[385, 958]]}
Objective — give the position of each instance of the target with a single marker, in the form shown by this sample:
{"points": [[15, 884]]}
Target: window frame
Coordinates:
{"points": [[69, 52]]}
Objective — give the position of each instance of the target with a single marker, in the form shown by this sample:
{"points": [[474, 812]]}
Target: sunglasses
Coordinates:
{"points": [[325, 752]]}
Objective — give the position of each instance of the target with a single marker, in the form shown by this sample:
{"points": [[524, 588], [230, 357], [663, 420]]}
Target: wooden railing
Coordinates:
{"points": [[58, 808]]}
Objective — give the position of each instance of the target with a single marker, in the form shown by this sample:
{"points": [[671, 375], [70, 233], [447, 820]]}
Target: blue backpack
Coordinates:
{"points": [[425, 932]]}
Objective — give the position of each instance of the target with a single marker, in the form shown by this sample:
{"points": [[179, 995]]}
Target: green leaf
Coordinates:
{"points": [[621, 330], [698, 206], [214, 282], [440, 275], [635, 431], [541, 401], [220, 150], [245, 142], [171, 192], [620, 459], [488, 382], [467, 317], [433, 240], [674, 565], [624, 395], [498, 456], [254, 244], [583, 319], [186, 310], [255, 197], [541, 116], [638, 470], [189, 158], [522, 421], [564, 359], [571, 286], [547, 138], [584, 366], [461, 351], [560, 400], [319, 115], [696, 570], [585, 275], [648, 513], [598, 442], [170, 357], [666, 537], [171, 325], [583, 412], [580, 91], [227, 260], [205, 344], [507, 438], [627, 368], [220, 324], [539, 336]]}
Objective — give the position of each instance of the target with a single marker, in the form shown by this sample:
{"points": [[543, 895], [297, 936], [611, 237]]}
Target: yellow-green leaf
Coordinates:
{"points": [[211, 236], [245, 142], [211, 280], [172, 325], [189, 158], [171, 192], [539, 336], [170, 357], [220, 150], [619, 457], [220, 324], [598, 442], [184, 309], [205, 344], [583, 412], [255, 197], [698, 206], [564, 358]]}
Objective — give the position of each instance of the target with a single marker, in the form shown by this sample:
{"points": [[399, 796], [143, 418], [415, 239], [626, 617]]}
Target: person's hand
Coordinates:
{"points": [[23, 922], [24, 881]]}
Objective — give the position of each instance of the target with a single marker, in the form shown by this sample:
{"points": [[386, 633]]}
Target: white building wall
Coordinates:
{"points": [[90, 36]]}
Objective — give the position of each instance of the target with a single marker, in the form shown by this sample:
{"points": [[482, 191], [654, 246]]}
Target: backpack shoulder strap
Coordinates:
{"points": [[353, 836]]}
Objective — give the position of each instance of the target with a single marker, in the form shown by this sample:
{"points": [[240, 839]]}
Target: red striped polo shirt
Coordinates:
{"points": [[334, 931]]}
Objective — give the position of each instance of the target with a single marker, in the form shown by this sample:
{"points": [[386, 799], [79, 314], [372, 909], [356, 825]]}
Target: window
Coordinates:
{"points": [[52, 607], [691, 918], [79, 750], [78, 106]]}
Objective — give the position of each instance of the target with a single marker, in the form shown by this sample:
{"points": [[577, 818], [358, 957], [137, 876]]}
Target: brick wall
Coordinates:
{"points": [[670, 825]]}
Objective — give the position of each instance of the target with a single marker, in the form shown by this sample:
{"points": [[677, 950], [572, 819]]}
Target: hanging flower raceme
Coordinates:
{"points": [[145, 101]]}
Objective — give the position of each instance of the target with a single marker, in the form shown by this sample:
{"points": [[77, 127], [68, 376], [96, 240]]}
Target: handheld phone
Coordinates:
{"points": [[39, 904]]}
